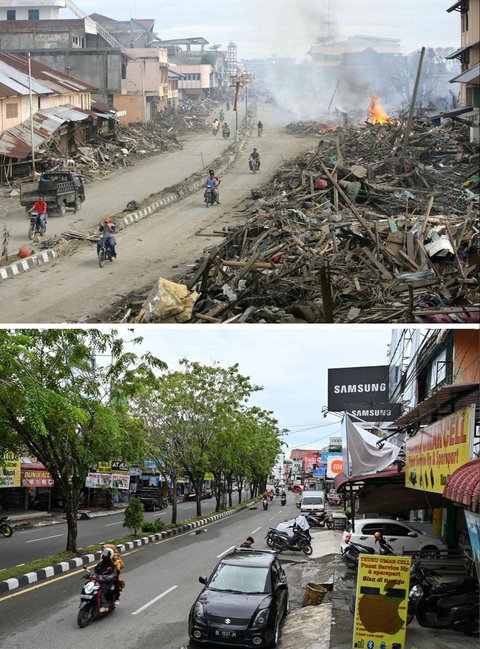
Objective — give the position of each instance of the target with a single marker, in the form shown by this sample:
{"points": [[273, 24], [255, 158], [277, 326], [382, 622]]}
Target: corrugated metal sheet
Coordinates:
{"points": [[463, 485], [17, 141]]}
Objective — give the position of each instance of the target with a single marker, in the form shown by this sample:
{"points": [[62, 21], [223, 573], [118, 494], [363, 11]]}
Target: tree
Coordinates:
{"points": [[67, 407], [133, 517], [209, 58], [186, 411]]}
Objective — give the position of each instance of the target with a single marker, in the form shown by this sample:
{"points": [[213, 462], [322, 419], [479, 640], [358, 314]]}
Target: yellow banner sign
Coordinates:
{"points": [[381, 603], [434, 453], [9, 473]]}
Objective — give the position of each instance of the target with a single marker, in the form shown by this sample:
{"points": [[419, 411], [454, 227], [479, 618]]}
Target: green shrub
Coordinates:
{"points": [[148, 528], [133, 518]]}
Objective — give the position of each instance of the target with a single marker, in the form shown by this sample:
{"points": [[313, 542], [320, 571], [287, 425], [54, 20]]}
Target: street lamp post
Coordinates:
{"points": [[235, 83]]}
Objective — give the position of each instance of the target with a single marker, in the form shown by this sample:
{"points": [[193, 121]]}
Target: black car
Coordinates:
{"points": [[243, 603]]}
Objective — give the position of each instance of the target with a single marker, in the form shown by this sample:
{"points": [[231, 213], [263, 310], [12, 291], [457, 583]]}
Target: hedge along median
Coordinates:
{"points": [[13, 578]]}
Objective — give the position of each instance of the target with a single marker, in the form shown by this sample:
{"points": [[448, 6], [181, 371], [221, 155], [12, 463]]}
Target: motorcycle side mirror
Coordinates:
{"points": [[202, 580]]}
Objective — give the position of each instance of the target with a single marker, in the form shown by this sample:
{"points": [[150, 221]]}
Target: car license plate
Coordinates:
{"points": [[225, 634]]}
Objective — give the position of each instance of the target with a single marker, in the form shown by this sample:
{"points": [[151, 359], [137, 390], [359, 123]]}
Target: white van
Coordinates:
{"points": [[312, 501]]}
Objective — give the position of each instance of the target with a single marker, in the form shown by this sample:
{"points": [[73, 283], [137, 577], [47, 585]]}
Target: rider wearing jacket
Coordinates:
{"points": [[254, 156], [107, 574]]}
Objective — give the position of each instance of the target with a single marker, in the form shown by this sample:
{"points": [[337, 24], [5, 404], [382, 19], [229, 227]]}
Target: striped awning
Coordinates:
{"points": [[463, 486]]}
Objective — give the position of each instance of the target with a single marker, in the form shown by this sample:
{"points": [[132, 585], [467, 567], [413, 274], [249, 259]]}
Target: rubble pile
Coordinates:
{"points": [[350, 232], [124, 145]]}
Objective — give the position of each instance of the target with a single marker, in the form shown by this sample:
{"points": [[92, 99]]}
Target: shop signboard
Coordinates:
{"points": [[107, 481], [473, 525], [437, 450], [381, 602], [334, 465], [363, 392], [9, 471], [36, 478]]}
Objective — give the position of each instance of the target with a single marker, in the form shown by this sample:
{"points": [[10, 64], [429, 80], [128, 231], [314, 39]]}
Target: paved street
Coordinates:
{"points": [[45, 540], [162, 582]]}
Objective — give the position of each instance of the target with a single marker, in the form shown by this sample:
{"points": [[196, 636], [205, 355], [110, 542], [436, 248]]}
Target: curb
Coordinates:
{"points": [[72, 564], [41, 258]]}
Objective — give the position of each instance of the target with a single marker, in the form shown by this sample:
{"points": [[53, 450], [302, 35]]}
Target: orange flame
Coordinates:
{"points": [[377, 115]]}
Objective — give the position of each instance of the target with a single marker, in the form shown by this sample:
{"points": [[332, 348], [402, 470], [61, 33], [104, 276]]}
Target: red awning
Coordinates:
{"points": [[463, 486], [339, 481]]}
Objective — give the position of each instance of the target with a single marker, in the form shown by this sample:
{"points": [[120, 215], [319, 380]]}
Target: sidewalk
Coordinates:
{"points": [[33, 518], [330, 624]]}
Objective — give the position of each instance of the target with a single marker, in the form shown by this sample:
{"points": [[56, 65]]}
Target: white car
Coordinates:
{"points": [[399, 534]]}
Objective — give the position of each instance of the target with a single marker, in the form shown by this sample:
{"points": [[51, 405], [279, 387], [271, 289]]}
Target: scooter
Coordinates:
{"points": [[6, 530], [299, 542], [354, 550], [253, 164], [283, 499], [456, 612], [433, 604], [226, 133], [265, 503], [90, 600], [210, 197], [36, 226], [320, 520]]}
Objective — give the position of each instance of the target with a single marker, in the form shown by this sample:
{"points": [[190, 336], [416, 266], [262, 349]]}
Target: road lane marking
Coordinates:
{"points": [[152, 601], [255, 530], [44, 538], [110, 524], [219, 556]]}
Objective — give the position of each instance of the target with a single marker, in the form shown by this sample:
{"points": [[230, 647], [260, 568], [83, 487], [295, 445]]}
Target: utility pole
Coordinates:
{"points": [[408, 127], [32, 135]]}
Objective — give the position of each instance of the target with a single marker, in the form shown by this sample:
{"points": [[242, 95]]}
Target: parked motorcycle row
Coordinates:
{"points": [[448, 605]]}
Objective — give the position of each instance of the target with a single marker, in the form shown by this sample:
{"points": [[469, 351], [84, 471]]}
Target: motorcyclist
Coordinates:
{"points": [[106, 230], [215, 125], [119, 565], [248, 542], [41, 208], [212, 182], [283, 497], [107, 574], [225, 130], [254, 156]]}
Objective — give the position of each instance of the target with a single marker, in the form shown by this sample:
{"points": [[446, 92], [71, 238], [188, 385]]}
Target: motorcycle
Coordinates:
{"points": [[335, 500], [226, 133], [6, 530], [90, 600], [265, 503], [354, 550], [260, 131], [254, 164], [215, 130], [283, 499], [36, 226], [299, 542], [210, 197], [449, 605], [320, 520], [104, 252]]}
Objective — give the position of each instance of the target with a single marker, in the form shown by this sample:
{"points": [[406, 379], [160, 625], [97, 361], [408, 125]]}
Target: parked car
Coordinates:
{"points": [[399, 534], [243, 603], [297, 488]]}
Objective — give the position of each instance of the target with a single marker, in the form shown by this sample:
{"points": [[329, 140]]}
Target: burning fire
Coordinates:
{"points": [[376, 114]]}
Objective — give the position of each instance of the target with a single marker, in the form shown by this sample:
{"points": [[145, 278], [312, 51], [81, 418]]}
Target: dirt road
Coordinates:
{"points": [[75, 289]]}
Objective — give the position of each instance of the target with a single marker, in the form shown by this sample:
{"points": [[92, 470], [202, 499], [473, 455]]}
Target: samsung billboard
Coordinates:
{"points": [[361, 391]]}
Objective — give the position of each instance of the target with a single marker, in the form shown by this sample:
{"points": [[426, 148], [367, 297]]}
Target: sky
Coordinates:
{"points": [[261, 28], [289, 362]]}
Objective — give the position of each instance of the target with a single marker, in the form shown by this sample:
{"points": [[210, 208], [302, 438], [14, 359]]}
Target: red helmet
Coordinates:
{"points": [[107, 219]]}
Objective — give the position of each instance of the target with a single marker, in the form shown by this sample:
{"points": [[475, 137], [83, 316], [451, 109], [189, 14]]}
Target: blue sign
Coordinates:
{"points": [[320, 472]]}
